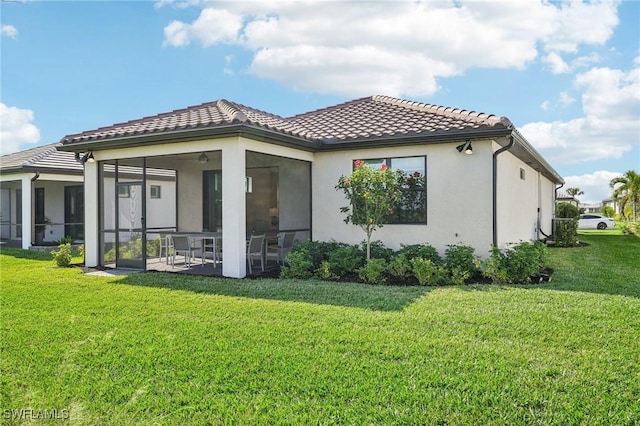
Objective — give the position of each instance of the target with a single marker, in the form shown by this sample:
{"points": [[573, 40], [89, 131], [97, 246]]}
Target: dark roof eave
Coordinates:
{"points": [[544, 167], [394, 140], [33, 169], [255, 133]]}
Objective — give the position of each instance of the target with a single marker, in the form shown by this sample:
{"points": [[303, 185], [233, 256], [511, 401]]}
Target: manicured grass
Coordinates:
{"points": [[165, 349]]}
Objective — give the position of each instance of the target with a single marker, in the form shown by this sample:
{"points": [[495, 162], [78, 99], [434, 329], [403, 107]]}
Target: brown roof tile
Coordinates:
{"points": [[365, 118], [41, 157]]}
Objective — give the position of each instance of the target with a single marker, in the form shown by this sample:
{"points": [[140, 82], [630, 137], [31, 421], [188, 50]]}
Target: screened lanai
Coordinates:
{"points": [[150, 201]]}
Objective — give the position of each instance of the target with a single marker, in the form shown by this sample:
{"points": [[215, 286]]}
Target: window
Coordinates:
{"points": [[154, 191], [522, 174], [124, 191], [412, 172]]}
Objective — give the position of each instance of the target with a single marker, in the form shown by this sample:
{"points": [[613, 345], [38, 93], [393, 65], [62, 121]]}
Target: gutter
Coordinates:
{"points": [[495, 187]]}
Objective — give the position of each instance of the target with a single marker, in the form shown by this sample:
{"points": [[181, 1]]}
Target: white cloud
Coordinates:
{"points": [[178, 4], [545, 105], [566, 99], [396, 48], [212, 26], [594, 185], [9, 31], [16, 128], [557, 64], [577, 22], [609, 127]]}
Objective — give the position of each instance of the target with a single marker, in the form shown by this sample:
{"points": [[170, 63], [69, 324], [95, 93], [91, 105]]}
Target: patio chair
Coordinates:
{"points": [[165, 246], [279, 252], [183, 244], [255, 250]]}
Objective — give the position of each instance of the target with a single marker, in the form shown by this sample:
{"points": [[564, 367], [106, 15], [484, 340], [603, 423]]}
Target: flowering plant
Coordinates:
{"points": [[372, 194]]}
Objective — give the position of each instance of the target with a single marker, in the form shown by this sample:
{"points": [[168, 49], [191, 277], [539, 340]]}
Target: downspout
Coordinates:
{"points": [[33, 209], [495, 187]]}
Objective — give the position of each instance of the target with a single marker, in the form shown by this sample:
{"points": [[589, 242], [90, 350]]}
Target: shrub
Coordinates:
{"points": [[81, 250], [298, 264], [63, 255], [378, 250], [460, 260], [65, 240], [345, 260], [566, 233], [421, 250], [631, 228], [373, 271], [400, 266], [424, 270], [324, 271], [567, 211], [608, 211], [316, 251], [516, 264]]}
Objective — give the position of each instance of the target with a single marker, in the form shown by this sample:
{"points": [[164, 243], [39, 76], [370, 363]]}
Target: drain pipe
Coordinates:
{"points": [[33, 209], [495, 187]]}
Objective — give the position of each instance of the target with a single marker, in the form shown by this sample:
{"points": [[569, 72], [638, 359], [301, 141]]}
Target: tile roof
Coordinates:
{"points": [[41, 157], [361, 119]]}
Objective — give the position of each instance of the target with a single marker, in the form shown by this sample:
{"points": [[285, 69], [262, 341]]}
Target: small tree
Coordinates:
{"points": [[372, 195], [574, 192]]}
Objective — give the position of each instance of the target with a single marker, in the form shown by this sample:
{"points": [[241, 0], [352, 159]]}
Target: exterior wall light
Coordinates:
{"points": [[466, 147]]}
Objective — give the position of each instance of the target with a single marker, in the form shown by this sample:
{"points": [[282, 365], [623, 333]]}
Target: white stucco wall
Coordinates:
{"points": [[53, 185], [459, 197], [518, 201]]}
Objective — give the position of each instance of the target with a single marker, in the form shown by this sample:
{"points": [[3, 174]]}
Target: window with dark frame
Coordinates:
{"points": [[124, 191], [154, 191], [411, 171], [522, 176]]}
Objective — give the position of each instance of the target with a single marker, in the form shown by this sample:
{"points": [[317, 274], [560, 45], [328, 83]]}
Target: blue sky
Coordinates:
{"points": [[566, 73]]}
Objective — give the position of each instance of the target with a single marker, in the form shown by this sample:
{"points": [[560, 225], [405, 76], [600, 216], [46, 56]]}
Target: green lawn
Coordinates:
{"points": [[166, 349]]}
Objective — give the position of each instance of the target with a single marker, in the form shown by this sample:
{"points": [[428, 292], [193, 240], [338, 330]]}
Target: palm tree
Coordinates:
{"points": [[626, 190], [574, 192]]}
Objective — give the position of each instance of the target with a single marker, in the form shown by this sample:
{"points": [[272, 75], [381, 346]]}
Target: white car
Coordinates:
{"points": [[595, 221]]}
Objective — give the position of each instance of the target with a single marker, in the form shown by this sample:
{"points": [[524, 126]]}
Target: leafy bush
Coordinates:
{"points": [[608, 211], [567, 211], [63, 255], [566, 233], [516, 264], [424, 270], [324, 271], [345, 260], [373, 271], [400, 266], [631, 228], [298, 264], [421, 250], [460, 260], [378, 250], [66, 240], [81, 250], [317, 251]]}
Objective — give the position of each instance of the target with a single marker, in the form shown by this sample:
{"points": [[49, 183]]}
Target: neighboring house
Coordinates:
{"points": [[611, 202], [566, 198], [590, 207], [242, 170], [42, 188]]}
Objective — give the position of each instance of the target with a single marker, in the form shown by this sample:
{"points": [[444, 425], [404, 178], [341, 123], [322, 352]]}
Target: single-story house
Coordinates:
{"points": [[41, 187], [566, 198], [239, 170], [44, 187]]}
